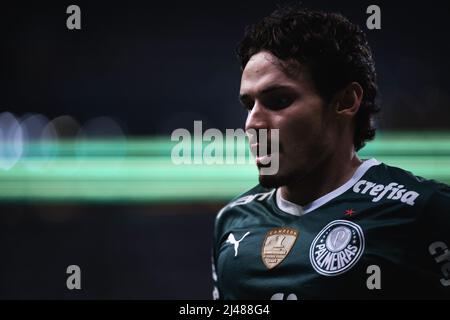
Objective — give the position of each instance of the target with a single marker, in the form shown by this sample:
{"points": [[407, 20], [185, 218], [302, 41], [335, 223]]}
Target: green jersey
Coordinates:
{"points": [[385, 233]]}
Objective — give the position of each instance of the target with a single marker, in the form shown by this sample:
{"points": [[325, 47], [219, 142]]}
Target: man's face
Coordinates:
{"points": [[307, 126]]}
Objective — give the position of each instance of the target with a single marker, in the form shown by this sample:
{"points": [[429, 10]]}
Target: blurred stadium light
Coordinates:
{"points": [[147, 175]]}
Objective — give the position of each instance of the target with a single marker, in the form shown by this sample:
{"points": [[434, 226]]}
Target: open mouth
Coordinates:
{"points": [[258, 151], [265, 149], [262, 157], [264, 161]]}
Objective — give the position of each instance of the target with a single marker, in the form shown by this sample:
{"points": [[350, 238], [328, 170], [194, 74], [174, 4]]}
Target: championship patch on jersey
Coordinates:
{"points": [[337, 248], [277, 245]]}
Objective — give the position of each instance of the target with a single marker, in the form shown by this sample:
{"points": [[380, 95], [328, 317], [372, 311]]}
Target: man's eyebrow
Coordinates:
{"points": [[269, 89], [275, 87]]}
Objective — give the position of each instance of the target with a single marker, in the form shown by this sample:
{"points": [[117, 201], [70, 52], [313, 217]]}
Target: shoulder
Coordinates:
{"points": [[232, 209], [423, 190], [402, 175], [439, 198], [414, 180]]}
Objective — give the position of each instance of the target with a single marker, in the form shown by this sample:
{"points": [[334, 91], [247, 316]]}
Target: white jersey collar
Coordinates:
{"points": [[297, 210]]}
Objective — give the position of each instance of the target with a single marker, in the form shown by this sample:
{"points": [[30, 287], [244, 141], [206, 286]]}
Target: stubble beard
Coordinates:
{"points": [[275, 180], [283, 178]]}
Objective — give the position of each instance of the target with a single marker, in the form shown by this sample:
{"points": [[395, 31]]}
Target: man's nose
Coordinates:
{"points": [[257, 118]]}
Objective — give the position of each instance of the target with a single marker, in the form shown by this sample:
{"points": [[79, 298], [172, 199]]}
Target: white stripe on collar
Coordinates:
{"points": [[297, 210]]}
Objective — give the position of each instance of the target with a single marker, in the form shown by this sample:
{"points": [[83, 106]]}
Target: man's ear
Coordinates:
{"points": [[348, 100]]}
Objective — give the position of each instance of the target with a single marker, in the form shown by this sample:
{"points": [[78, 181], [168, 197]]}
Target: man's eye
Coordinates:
{"points": [[278, 103], [248, 105]]}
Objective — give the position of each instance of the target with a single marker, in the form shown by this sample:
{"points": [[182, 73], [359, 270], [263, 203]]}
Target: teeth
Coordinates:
{"points": [[264, 160]]}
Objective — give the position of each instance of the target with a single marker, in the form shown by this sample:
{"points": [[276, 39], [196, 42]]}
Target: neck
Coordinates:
{"points": [[330, 174]]}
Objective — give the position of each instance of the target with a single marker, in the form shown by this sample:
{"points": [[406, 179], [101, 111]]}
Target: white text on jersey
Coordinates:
{"points": [[379, 191]]}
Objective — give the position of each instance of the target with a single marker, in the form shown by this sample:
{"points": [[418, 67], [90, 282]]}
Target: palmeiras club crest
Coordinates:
{"points": [[337, 248]]}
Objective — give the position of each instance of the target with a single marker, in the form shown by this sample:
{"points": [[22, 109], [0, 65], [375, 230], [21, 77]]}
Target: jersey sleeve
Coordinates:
{"points": [[215, 292], [437, 239], [224, 218], [214, 256]]}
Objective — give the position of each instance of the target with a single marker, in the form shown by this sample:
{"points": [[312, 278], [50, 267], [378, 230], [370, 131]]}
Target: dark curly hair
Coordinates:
{"points": [[333, 50]]}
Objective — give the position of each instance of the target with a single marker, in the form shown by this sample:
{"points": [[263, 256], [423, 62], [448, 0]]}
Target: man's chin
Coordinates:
{"points": [[272, 181]]}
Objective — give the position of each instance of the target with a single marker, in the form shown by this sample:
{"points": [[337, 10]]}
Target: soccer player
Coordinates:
{"points": [[327, 225]]}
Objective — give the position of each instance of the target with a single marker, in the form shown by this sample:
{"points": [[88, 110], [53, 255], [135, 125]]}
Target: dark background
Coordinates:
{"points": [[124, 252], [154, 67]]}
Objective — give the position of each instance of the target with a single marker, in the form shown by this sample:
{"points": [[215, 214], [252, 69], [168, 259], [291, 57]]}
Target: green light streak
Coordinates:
{"points": [[141, 170]]}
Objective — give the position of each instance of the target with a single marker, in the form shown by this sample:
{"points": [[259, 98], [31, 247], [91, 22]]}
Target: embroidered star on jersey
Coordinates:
{"points": [[349, 212]]}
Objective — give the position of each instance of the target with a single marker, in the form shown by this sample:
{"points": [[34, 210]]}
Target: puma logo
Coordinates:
{"points": [[235, 242]]}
